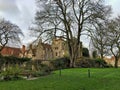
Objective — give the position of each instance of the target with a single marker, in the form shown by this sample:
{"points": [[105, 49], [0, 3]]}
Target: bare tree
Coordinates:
{"points": [[113, 35], [99, 39], [69, 18], [9, 34], [98, 32]]}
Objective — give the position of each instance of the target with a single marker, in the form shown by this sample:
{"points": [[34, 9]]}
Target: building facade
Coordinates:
{"points": [[45, 51], [111, 60], [42, 51], [10, 51], [59, 48]]}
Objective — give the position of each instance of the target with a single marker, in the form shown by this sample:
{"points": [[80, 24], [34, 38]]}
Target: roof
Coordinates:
{"points": [[46, 45], [34, 51], [10, 51], [58, 39]]}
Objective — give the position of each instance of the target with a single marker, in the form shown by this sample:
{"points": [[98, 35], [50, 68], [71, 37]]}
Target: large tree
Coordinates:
{"points": [[9, 34], [68, 18], [113, 35], [99, 39], [98, 33]]}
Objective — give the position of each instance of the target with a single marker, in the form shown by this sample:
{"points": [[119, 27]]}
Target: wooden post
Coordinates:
{"points": [[88, 73], [60, 71]]}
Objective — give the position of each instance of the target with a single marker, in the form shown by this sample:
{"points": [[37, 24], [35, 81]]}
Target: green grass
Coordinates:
{"points": [[71, 79]]}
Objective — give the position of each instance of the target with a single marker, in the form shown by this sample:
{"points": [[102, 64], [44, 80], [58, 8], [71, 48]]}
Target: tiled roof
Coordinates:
{"points": [[10, 51], [46, 45]]}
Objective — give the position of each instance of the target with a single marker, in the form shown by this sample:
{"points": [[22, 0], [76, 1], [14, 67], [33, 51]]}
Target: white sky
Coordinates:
{"points": [[21, 12], [116, 11], [115, 6]]}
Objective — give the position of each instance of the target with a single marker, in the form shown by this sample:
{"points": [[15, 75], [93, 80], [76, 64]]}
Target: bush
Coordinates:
{"points": [[85, 52], [6, 61], [45, 70], [84, 63], [10, 73], [38, 70], [61, 63], [87, 63], [100, 63]]}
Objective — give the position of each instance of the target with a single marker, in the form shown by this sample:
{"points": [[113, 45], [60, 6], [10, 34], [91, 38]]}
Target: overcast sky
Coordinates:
{"points": [[21, 12]]}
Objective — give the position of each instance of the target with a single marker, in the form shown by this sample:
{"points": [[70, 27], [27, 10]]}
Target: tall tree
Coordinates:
{"points": [[98, 33], [69, 18], [113, 35], [99, 39], [9, 34]]}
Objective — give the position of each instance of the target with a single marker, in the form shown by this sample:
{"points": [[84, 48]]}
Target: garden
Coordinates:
{"points": [[70, 79], [89, 74]]}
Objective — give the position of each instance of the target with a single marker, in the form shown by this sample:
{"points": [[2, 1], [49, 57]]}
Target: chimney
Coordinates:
{"points": [[23, 49], [30, 47]]}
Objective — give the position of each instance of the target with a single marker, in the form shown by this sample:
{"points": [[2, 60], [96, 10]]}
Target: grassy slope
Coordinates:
{"points": [[71, 79]]}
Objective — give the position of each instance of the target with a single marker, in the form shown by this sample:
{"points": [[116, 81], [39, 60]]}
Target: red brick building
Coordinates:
{"points": [[11, 51]]}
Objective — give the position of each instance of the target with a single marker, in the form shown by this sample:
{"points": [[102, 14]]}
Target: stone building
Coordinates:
{"points": [[41, 51], [59, 48], [111, 60], [44, 51]]}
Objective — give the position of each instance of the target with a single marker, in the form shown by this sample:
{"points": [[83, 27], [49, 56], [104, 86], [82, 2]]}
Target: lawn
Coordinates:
{"points": [[71, 79]]}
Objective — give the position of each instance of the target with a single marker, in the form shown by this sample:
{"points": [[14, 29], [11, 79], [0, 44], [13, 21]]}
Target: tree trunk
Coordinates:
{"points": [[72, 62], [102, 56], [74, 55], [116, 63]]}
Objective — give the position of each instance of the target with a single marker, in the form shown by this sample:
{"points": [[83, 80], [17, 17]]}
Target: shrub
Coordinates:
{"points": [[11, 73], [38, 70], [6, 61], [94, 54], [84, 63], [44, 70], [85, 52], [100, 62], [87, 63], [61, 63]]}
